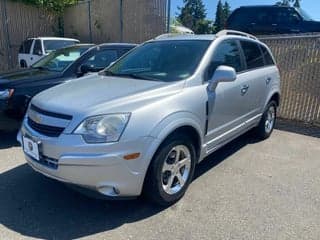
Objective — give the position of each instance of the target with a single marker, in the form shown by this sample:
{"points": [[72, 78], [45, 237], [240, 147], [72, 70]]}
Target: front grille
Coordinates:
{"points": [[51, 114], [47, 162], [46, 130]]}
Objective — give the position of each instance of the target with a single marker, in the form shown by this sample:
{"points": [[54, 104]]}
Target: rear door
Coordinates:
{"points": [[287, 20], [262, 23], [255, 80], [24, 53]]}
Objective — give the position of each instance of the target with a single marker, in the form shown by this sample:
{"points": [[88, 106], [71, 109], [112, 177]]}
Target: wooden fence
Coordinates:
{"points": [[18, 22], [96, 21], [102, 21], [298, 58]]}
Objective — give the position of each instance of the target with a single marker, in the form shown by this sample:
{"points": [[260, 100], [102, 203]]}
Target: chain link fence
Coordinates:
{"points": [[298, 58]]}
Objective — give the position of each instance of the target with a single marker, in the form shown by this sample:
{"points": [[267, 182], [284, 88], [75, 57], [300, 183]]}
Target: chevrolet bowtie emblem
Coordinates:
{"points": [[37, 119]]}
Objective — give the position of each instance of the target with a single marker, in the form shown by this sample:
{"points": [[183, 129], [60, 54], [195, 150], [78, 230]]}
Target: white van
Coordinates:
{"points": [[32, 49]]}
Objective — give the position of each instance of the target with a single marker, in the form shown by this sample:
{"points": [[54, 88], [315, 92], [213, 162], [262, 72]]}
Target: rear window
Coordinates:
{"points": [[267, 56], [51, 45], [25, 46], [253, 55]]}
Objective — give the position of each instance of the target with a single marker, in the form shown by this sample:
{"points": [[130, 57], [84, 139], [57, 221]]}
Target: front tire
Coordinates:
{"points": [[267, 122], [171, 170], [23, 64]]}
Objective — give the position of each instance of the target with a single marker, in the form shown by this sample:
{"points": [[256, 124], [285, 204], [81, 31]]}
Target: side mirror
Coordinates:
{"points": [[222, 74], [84, 69]]}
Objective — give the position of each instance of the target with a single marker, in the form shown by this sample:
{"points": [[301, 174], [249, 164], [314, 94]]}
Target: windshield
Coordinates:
{"points": [[168, 61], [59, 60], [304, 14], [51, 45]]}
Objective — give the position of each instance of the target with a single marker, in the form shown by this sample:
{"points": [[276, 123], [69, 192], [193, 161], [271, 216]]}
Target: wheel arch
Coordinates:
{"points": [[275, 96]]}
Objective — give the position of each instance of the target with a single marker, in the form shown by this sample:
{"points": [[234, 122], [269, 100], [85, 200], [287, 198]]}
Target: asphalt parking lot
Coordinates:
{"points": [[246, 190]]}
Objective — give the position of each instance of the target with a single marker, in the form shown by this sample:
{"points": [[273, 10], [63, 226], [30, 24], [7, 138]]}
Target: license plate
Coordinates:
{"points": [[31, 148]]}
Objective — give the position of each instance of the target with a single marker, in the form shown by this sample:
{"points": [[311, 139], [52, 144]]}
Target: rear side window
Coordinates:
{"points": [[267, 56], [253, 55], [227, 53], [286, 16], [25, 47]]}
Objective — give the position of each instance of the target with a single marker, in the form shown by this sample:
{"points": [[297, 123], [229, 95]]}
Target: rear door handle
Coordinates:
{"points": [[244, 89]]}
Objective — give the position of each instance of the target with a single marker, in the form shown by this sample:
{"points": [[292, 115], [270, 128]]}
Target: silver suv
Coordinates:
{"points": [[143, 124]]}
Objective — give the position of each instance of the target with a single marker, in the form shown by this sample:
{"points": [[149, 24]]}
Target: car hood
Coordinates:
{"points": [[18, 78], [96, 94]]}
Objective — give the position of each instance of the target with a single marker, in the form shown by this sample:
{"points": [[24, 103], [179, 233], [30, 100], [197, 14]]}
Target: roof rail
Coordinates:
{"points": [[233, 32], [168, 35]]}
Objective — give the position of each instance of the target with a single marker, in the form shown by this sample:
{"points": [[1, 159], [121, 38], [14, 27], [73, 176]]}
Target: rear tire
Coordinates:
{"points": [[171, 170], [23, 64], [267, 122]]}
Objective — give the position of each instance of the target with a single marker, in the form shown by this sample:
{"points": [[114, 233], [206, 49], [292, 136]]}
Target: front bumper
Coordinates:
{"points": [[98, 167], [3, 105]]}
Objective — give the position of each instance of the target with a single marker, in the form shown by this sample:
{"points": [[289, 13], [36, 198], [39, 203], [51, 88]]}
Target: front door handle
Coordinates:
{"points": [[244, 89], [268, 80]]}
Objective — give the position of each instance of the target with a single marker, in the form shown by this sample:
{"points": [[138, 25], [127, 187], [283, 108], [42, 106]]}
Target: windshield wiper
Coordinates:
{"points": [[128, 75], [41, 68]]}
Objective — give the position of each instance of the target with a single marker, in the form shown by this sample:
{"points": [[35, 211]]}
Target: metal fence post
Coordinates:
{"points": [[6, 31], [121, 20], [168, 16], [89, 20]]}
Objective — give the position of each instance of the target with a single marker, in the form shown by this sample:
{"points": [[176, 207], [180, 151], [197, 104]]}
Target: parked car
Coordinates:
{"points": [[263, 20], [18, 87], [33, 49], [143, 124]]}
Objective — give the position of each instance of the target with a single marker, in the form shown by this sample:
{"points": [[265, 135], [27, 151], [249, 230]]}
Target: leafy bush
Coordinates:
{"points": [[56, 6]]}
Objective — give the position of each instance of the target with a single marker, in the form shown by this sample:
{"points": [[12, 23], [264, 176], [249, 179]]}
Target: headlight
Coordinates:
{"points": [[5, 94], [104, 128]]}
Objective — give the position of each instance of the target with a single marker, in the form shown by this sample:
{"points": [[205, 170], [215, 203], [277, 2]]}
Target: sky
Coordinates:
{"points": [[312, 7]]}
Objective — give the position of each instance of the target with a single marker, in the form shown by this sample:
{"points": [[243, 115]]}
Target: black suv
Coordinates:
{"points": [[263, 20], [19, 86]]}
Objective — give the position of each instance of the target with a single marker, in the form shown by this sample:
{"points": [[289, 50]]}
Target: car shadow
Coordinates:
{"points": [[36, 206], [298, 127], [8, 139]]}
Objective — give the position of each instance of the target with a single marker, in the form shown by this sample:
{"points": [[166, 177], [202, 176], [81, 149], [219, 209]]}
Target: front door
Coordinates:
{"points": [[36, 52], [228, 105]]}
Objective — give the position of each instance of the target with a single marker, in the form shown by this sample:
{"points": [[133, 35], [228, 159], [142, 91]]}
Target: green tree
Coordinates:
{"points": [[56, 6], [193, 16], [222, 13], [296, 3], [226, 12], [218, 23]]}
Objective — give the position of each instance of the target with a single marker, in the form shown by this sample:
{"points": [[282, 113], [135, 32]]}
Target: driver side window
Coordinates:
{"points": [[226, 53], [102, 59]]}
